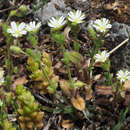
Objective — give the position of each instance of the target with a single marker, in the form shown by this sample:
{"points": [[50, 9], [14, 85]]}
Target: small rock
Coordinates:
{"points": [[118, 34], [119, 29], [51, 9], [82, 5]]}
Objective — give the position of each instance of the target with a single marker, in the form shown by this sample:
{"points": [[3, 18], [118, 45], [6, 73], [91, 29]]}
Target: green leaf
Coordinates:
{"points": [[7, 62], [7, 35], [8, 79], [76, 46], [79, 84], [33, 40], [59, 38], [52, 87], [75, 57], [122, 119], [106, 65], [36, 7], [48, 109], [12, 13], [38, 55], [5, 27], [68, 109], [15, 69], [30, 53], [66, 58], [58, 109], [16, 49]]}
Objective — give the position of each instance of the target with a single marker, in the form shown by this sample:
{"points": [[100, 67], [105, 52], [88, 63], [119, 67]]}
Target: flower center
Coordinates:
{"points": [[76, 20], [102, 59], [57, 25], [17, 32], [102, 28], [124, 77]]}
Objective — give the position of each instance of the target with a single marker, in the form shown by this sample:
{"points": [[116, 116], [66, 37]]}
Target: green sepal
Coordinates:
{"points": [[59, 38], [75, 57], [30, 53], [92, 32]]}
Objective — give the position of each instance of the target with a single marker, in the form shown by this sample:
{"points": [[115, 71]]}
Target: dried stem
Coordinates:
{"points": [[117, 47]]}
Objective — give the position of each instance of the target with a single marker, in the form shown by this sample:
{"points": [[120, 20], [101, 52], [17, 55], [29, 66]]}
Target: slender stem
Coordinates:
{"points": [[86, 116], [9, 66], [109, 78], [68, 68], [63, 49], [61, 42], [3, 114], [90, 69], [69, 76], [41, 67], [45, 74], [97, 44], [61, 97]]}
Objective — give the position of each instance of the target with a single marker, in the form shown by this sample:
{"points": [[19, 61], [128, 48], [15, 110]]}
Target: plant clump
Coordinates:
{"points": [[41, 81], [8, 125], [29, 115]]}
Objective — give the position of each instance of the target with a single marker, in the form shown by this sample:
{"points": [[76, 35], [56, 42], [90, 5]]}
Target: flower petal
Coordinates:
{"points": [[14, 26], [21, 26]]}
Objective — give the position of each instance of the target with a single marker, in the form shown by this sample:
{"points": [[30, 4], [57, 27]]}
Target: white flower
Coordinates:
{"points": [[102, 25], [32, 26], [1, 103], [123, 75], [102, 57], [57, 23], [76, 16], [1, 76], [17, 30]]}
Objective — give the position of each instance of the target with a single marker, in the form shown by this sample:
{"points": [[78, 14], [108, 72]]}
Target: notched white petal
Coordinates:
{"points": [[21, 26]]}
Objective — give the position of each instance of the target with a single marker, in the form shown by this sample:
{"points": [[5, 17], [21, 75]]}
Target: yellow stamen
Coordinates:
{"points": [[17, 32], [76, 20], [103, 28]]}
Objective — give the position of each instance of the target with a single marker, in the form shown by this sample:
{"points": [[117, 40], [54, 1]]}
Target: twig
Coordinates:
{"points": [[49, 123], [12, 7], [42, 98], [121, 44], [87, 117], [3, 10]]}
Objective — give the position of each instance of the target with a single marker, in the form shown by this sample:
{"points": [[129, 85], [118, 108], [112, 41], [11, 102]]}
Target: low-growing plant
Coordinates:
{"points": [[29, 114], [41, 82], [67, 92]]}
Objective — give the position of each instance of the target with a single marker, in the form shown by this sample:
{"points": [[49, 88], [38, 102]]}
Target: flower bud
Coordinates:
{"points": [[23, 8], [16, 49], [1, 103], [79, 84], [12, 13]]}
